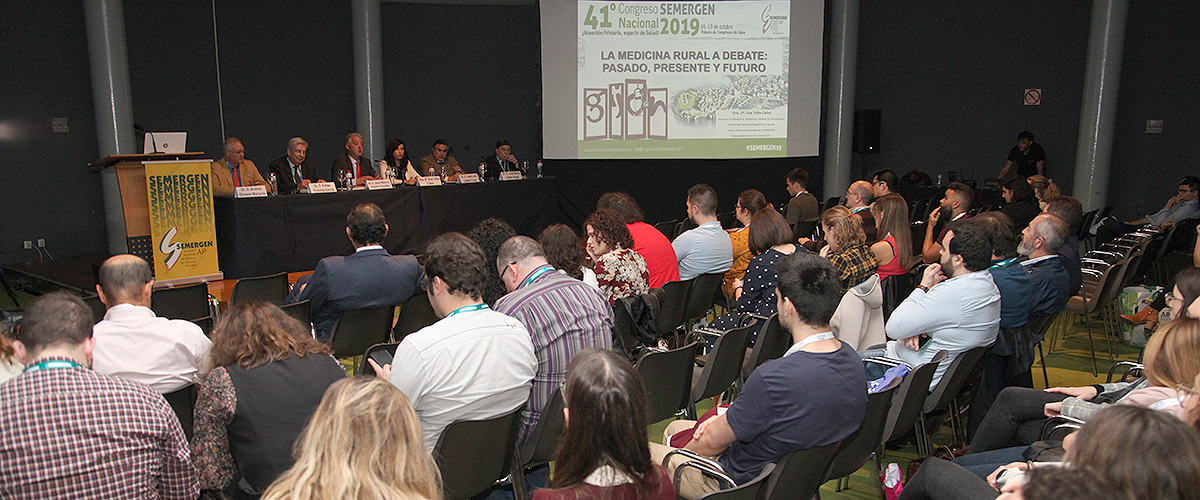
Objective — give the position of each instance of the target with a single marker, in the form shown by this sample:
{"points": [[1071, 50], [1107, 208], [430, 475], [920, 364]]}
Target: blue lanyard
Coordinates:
{"points": [[534, 275], [472, 307], [51, 364], [1003, 263]]}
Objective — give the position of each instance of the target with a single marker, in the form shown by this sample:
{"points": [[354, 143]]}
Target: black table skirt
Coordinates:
{"points": [[260, 236]]}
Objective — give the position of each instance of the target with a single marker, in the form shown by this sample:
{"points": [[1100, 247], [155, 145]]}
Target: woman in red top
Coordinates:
{"points": [[604, 453], [894, 253]]}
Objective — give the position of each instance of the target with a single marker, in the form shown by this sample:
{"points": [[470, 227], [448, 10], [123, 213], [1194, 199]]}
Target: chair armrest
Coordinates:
{"points": [[1060, 423], [705, 466]]}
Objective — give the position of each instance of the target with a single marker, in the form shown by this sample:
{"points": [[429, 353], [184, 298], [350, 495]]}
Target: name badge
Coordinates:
{"points": [[511, 175], [468, 178], [322, 187], [250, 192], [373, 185], [429, 180]]}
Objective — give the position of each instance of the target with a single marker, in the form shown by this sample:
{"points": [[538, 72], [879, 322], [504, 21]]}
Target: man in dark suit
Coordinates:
{"points": [[502, 161], [291, 171], [368, 278], [353, 161]]}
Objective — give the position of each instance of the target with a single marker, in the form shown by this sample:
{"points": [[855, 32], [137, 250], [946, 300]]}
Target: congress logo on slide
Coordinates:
{"points": [[625, 110]]}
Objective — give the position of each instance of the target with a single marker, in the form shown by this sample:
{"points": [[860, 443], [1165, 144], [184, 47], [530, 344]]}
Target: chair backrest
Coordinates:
{"points": [[668, 380], [910, 398], [672, 298], [724, 363], [93, 302], [183, 402], [416, 314], [299, 310], [667, 228], [773, 342], [799, 474], [623, 326], [473, 454], [728, 220], [857, 449], [700, 296], [955, 377], [273, 289], [543, 438], [749, 491], [181, 302], [365, 368], [830, 203], [355, 330], [205, 324]]}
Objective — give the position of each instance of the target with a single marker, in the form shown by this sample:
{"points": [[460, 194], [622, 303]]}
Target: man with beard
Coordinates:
{"points": [[954, 206], [1039, 247], [956, 306]]}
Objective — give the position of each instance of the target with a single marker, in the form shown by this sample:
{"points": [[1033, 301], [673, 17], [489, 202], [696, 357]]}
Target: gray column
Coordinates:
{"points": [[368, 75], [113, 105], [839, 109], [1099, 112]]}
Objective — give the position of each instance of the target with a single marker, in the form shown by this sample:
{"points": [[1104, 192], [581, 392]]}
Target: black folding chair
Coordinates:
{"points": [[668, 378], [473, 454], [415, 314], [722, 366], [542, 444], [273, 289], [181, 302], [858, 449], [298, 310], [355, 330]]}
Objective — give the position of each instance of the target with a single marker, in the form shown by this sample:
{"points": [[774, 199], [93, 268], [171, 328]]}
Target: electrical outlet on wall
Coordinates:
{"points": [[41, 243], [28, 245]]}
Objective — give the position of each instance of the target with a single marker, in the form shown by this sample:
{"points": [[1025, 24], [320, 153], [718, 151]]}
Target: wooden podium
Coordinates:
{"points": [[131, 179]]}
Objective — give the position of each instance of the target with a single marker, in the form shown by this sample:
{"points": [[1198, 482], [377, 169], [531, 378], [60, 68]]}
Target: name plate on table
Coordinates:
{"points": [[468, 178], [322, 187], [250, 192], [379, 184], [511, 175], [429, 180]]}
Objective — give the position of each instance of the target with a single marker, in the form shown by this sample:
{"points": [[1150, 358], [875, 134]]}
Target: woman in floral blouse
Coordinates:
{"points": [[620, 271]]}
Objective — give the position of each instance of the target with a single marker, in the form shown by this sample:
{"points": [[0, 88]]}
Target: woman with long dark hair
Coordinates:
{"points": [[395, 159], [769, 239], [603, 453], [561, 246], [894, 252], [270, 376]]}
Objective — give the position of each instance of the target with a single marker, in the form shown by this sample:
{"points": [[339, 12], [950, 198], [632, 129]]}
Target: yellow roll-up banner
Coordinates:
{"points": [[182, 230]]}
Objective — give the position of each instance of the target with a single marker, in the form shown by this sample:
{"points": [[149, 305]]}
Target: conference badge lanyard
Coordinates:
{"points": [[472, 307], [51, 364], [813, 338], [535, 275], [1003, 263]]}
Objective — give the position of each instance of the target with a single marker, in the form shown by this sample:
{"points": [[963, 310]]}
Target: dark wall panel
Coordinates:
{"points": [[45, 187]]}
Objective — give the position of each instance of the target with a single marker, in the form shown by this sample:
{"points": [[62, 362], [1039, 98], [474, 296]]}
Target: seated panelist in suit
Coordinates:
{"points": [[502, 161], [292, 171], [353, 161], [368, 278], [234, 170], [440, 163]]}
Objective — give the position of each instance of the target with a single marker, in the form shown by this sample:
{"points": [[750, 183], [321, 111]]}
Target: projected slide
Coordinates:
{"points": [[681, 79]]}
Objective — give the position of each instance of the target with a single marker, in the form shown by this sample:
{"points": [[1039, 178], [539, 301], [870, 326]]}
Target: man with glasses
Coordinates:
{"points": [[1179, 207], [858, 199], [368, 278], [292, 170]]}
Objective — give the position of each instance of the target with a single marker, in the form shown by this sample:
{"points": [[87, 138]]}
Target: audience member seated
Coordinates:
{"points": [[748, 204], [369, 277], [1179, 207], [954, 206], [562, 314], [859, 197], [1019, 202], [956, 306], [620, 271], [269, 377], [70, 432], [894, 253], [1039, 248], [707, 248], [292, 170], [489, 234], [439, 162], [353, 161], [603, 453], [648, 242], [1070, 210], [395, 162], [1016, 418], [10, 366], [364, 441], [815, 395], [770, 239], [847, 248], [803, 209], [561, 246], [234, 170], [133, 343], [1140, 452], [885, 182], [474, 363], [1044, 189]]}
